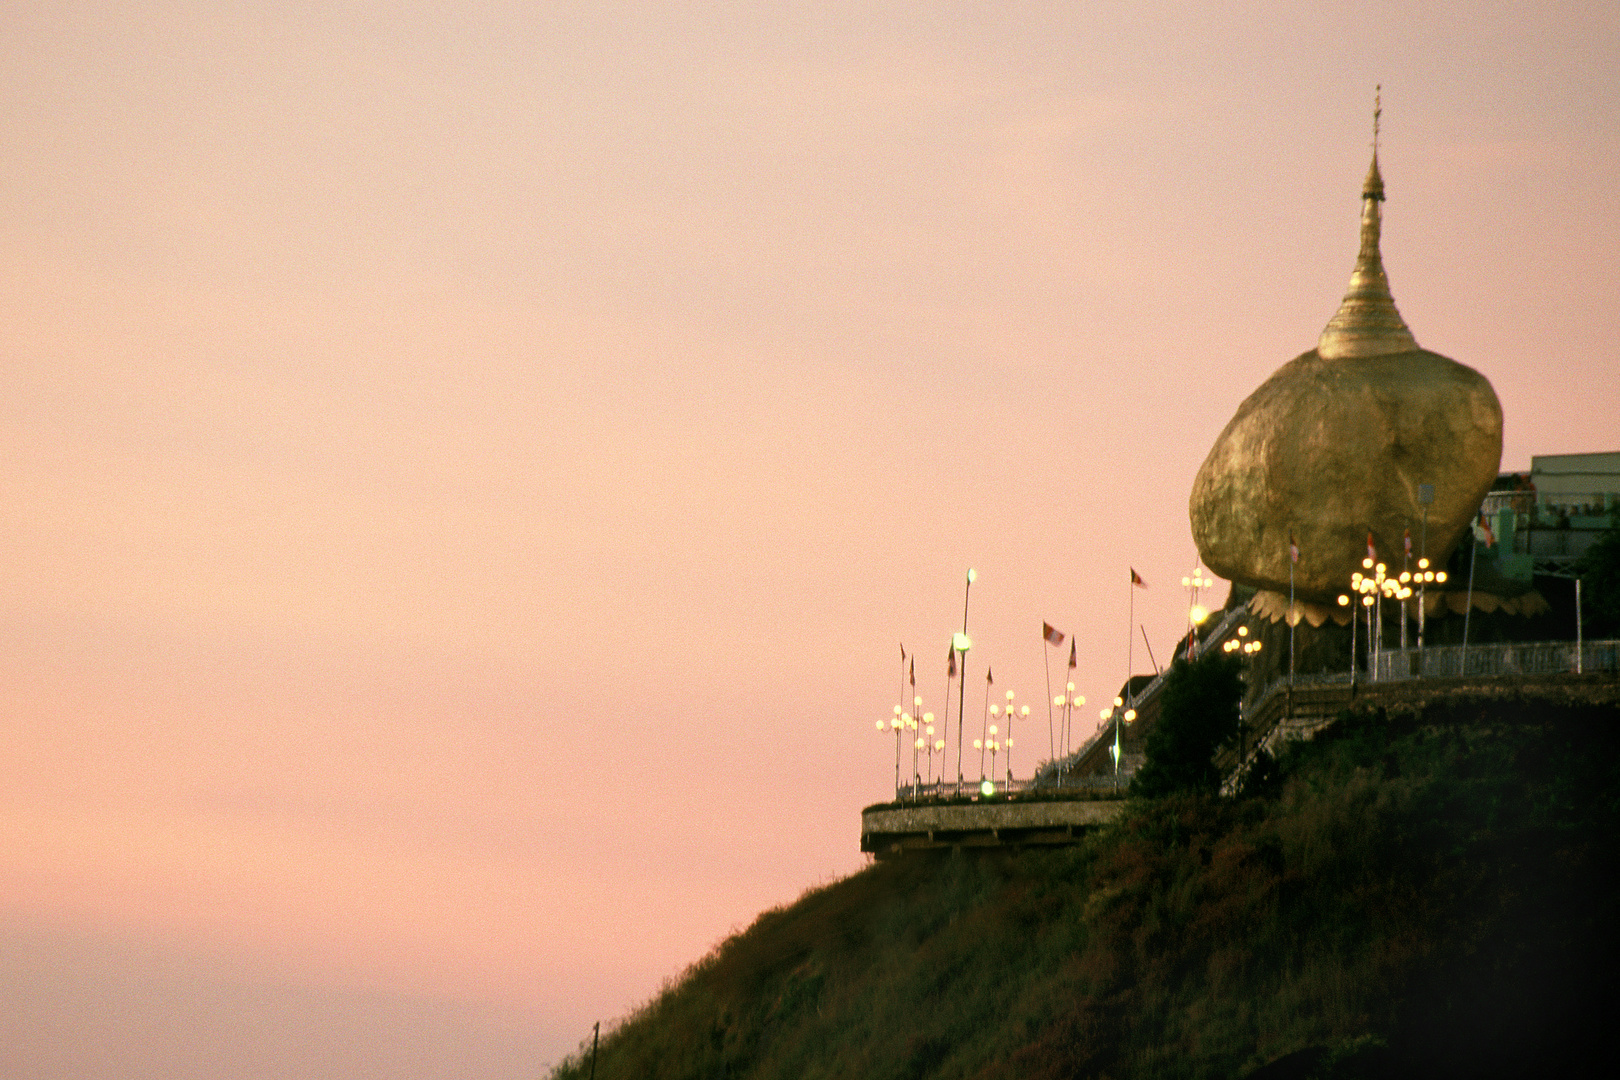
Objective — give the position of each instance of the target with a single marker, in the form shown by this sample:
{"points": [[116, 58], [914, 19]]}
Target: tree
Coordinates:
{"points": [[1599, 569], [1198, 714]]}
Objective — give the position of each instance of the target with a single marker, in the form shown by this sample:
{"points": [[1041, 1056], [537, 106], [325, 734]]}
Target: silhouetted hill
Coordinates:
{"points": [[1423, 894]]}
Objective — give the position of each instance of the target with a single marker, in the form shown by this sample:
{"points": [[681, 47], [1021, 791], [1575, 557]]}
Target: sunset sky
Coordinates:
{"points": [[467, 469]]}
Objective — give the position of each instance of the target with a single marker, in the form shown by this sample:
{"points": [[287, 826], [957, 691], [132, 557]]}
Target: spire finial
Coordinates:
{"points": [[1378, 111], [1367, 323]]}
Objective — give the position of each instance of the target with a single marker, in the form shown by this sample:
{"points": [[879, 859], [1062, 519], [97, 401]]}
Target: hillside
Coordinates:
{"points": [[1415, 894]]}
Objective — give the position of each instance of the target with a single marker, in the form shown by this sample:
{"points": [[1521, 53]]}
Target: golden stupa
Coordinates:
{"points": [[1335, 445]]}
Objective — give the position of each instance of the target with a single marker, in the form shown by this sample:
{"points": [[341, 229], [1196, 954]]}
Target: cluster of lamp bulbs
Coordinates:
{"points": [[991, 744], [904, 721], [1072, 699], [1107, 711], [1248, 647], [1378, 583]]}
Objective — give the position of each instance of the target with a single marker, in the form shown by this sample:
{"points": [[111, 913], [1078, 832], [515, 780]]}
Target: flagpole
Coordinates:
{"points": [[950, 656], [961, 677], [1068, 710], [902, 708], [1046, 662], [984, 726], [1130, 650]]}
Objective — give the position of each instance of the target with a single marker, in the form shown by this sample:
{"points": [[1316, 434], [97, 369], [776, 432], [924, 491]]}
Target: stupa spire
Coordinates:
{"points": [[1367, 323]]}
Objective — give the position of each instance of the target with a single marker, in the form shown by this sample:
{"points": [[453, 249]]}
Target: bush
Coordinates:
{"points": [[1199, 714]]}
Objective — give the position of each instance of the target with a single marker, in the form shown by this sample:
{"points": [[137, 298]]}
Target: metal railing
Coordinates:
{"points": [[952, 789], [1496, 658], [1048, 774]]}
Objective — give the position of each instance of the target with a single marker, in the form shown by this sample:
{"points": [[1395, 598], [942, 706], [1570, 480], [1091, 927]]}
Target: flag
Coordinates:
{"points": [[1372, 552], [989, 678], [902, 652], [1407, 541], [1052, 634], [950, 662], [1293, 549], [1485, 527], [1071, 656], [1136, 579], [914, 673]]}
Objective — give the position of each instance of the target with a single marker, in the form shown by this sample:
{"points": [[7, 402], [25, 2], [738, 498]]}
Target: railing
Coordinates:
{"points": [[1048, 774], [950, 789], [1510, 658]]}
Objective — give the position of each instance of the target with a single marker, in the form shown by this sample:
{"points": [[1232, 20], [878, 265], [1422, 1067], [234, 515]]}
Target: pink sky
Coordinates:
{"points": [[467, 470]]}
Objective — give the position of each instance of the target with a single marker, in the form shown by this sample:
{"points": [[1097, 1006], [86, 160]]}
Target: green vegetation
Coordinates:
{"points": [[1198, 715], [1421, 894], [1600, 572]]}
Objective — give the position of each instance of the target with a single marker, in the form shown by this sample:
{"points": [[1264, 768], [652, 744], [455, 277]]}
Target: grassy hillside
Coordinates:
{"points": [[1423, 894]]}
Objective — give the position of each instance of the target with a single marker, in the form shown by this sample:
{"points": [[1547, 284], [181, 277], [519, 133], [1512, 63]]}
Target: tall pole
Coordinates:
{"points": [[1579, 644], [961, 678], [1406, 570], [1425, 497], [984, 725], [1473, 549], [595, 1034], [1130, 643], [1046, 663], [1354, 618]]}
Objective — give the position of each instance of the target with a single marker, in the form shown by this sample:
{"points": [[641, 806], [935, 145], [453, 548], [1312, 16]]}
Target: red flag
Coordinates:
{"points": [[1136, 579], [1293, 549], [950, 661], [1490, 537], [914, 673], [989, 678], [1052, 634], [1372, 552], [1407, 541], [1072, 664]]}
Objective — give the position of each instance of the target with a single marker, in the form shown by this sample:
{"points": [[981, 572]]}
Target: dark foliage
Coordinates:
{"points": [[1600, 583], [1424, 894], [1198, 715]]}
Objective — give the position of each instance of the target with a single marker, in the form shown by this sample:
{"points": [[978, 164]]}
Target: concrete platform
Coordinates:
{"points": [[891, 831]]}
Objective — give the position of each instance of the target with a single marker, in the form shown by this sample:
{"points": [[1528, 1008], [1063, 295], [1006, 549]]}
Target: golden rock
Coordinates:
{"points": [[1335, 445]]}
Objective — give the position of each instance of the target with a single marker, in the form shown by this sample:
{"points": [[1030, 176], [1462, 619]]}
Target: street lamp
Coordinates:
{"points": [[896, 723], [928, 742], [1067, 701], [987, 785], [1009, 712], [1194, 583], [1249, 649], [911, 725], [961, 644]]}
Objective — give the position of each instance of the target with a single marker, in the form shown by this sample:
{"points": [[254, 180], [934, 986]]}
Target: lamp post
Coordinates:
{"points": [[1344, 601], [911, 725], [1249, 649], [1425, 576], [928, 743], [1193, 584], [1067, 701], [962, 645], [1425, 500], [1008, 713], [1378, 587], [895, 724], [1119, 714], [987, 785]]}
